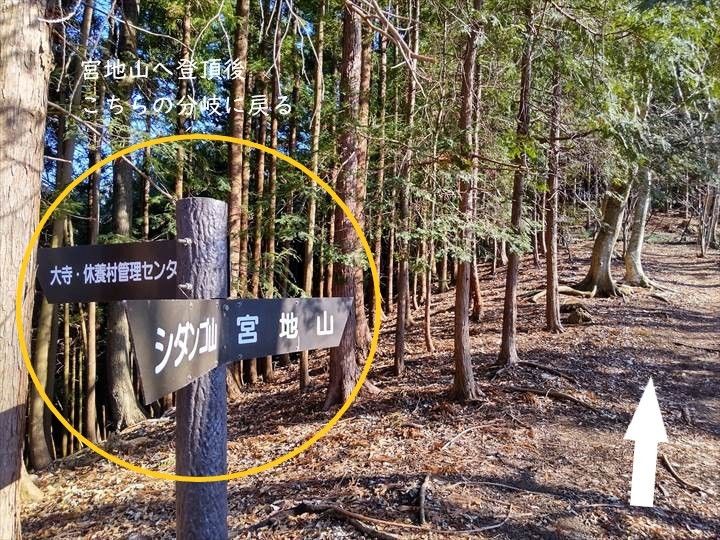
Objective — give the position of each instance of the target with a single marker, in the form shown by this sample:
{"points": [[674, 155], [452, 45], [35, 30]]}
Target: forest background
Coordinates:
{"points": [[461, 134]]}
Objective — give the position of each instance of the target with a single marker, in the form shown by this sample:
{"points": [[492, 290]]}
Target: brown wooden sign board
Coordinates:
{"points": [[177, 341], [109, 272]]}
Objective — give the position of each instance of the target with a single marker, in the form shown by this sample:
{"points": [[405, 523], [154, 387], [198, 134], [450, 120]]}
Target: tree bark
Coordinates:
{"points": [[90, 405], [24, 72], [634, 273], [552, 301], [599, 277], [464, 387], [308, 257], [382, 103], [344, 371], [237, 155], [403, 279], [123, 403], [361, 323], [508, 346], [39, 437]]}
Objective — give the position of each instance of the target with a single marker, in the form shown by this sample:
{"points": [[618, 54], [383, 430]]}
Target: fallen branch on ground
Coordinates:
{"points": [[456, 437], [684, 483], [360, 521], [554, 371], [555, 394]]}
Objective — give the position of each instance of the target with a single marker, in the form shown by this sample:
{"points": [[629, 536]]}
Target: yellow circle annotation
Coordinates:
{"points": [[165, 475]]}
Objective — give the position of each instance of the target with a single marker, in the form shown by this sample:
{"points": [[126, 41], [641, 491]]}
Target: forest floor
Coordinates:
{"points": [[518, 465]]}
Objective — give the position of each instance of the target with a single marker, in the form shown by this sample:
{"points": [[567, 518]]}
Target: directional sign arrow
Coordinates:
{"points": [[177, 341], [647, 430]]}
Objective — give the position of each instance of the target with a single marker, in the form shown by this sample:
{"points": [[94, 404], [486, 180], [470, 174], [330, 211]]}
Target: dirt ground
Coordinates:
{"points": [[513, 465]]}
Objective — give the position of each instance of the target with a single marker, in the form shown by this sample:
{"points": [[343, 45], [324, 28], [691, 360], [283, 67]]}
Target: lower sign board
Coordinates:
{"points": [[177, 341], [108, 272]]}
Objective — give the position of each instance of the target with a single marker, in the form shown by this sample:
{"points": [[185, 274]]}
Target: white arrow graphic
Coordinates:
{"points": [[647, 430]]}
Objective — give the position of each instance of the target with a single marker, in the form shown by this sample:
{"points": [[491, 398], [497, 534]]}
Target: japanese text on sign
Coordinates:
{"points": [[120, 272]]}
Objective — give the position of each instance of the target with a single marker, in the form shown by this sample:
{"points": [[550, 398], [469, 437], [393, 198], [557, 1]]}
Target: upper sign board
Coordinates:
{"points": [[109, 272]]}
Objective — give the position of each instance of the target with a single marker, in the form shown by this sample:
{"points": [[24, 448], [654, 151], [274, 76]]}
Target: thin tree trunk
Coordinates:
{"points": [[391, 262], [267, 364], [552, 301], [382, 103], [361, 324], [634, 273], [308, 258], [508, 347], [464, 387], [477, 305], [90, 405], [343, 366], [403, 285], [123, 403]]}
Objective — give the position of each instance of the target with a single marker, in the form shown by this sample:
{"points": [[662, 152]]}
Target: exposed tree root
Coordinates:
{"points": [[555, 394], [369, 389], [548, 369], [684, 483], [536, 294]]}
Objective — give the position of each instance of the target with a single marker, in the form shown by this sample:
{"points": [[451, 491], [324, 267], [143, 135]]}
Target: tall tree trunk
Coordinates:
{"points": [[65, 440], [552, 300], [634, 273], [382, 103], [24, 72], [464, 387], [361, 324], [237, 155], [308, 256], [344, 371], [251, 374], [508, 347], [599, 277], [123, 403], [268, 372], [90, 405], [40, 442], [259, 202], [403, 284], [391, 260]]}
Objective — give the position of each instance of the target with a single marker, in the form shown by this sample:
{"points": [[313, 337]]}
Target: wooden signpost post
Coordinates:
{"points": [[185, 332]]}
